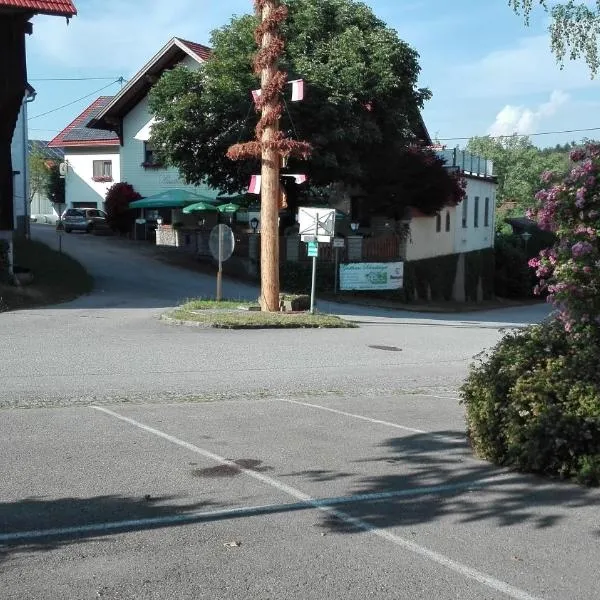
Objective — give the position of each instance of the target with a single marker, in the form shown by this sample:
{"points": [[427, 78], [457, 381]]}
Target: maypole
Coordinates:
{"points": [[271, 145]]}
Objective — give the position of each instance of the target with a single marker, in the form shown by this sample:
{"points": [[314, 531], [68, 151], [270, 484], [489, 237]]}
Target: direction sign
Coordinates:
{"points": [[221, 242], [313, 249]]}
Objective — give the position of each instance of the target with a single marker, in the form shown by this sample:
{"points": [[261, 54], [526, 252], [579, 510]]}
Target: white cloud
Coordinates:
{"points": [[526, 68], [522, 120]]}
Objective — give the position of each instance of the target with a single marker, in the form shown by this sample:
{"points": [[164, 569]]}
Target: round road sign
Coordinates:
{"points": [[221, 242]]}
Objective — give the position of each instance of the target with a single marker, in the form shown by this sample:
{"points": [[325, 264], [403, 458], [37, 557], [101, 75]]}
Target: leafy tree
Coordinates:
{"points": [[360, 114], [119, 216], [518, 165], [39, 172], [574, 30], [54, 186]]}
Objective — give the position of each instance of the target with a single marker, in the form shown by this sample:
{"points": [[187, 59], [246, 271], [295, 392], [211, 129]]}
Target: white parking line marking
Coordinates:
{"points": [[244, 511], [466, 571], [347, 414]]}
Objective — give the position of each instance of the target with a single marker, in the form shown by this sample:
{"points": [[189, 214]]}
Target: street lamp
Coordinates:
{"points": [[354, 227], [526, 237], [254, 224]]}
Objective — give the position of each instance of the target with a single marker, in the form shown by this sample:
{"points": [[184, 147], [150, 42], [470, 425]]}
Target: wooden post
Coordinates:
{"points": [[270, 188]]}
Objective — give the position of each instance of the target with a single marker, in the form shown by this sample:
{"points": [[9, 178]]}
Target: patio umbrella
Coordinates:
{"points": [[199, 207], [173, 198], [228, 208]]}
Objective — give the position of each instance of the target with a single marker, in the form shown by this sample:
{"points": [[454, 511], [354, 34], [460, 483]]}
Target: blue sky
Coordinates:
{"points": [[489, 74]]}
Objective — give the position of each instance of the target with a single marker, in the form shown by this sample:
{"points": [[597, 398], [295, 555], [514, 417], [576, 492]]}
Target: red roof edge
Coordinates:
{"points": [[59, 141], [61, 8]]}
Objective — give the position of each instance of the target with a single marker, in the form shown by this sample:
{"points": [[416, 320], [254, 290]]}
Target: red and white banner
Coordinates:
{"points": [[254, 187], [297, 90], [298, 178]]}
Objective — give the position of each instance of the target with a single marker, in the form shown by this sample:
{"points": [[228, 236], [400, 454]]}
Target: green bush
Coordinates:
{"points": [[296, 277], [513, 276], [533, 403]]}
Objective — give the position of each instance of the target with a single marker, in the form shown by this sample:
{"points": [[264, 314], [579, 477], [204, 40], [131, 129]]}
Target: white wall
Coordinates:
{"points": [[145, 181], [425, 241], [19, 163], [79, 185], [470, 237]]}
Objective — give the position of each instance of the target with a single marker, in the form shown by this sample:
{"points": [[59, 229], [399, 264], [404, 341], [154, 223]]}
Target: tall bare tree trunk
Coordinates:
{"points": [[270, 190]]}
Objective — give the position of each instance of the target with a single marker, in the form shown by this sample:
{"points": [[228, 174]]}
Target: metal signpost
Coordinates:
{"points": [[337, 244], [60, 227], [315, 225], [221, 243]]}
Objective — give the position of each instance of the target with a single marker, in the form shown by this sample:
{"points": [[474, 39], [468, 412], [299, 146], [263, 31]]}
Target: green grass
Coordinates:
{"points": [[204, 304], [234, 314], [56, 278]]}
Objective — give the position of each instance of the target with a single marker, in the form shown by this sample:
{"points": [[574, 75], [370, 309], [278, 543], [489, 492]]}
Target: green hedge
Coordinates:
{"points": [[479, 265], [423, 279], [296, 277], [533, 403]]}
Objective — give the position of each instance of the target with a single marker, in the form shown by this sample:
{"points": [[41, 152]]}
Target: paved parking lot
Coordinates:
{"points": [[280, 498]]}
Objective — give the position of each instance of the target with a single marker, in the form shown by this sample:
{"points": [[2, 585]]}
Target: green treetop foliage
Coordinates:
{"points": [[574, 29], [518, 164], [54, 186], [362, 105], [39, 172]]}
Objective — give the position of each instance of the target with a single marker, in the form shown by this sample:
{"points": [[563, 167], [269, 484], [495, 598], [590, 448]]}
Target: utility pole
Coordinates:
{"points": [[270, 144]]}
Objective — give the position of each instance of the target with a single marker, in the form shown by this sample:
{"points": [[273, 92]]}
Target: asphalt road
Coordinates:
{"points": [[160, 462], [110, 346]]}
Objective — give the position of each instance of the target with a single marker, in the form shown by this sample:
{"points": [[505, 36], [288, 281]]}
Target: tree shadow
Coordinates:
{"points": [[472, 490], [40, 524]]}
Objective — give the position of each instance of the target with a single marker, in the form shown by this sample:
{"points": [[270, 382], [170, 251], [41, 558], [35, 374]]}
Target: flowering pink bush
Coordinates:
{"points": [[570, 271]]}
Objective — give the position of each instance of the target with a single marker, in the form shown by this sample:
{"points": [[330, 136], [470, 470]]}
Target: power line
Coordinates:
{"points": [[74, 78], [497, 137], [74, 101]]}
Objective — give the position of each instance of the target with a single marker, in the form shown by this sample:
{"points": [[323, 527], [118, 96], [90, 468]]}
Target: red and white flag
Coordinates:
{"points": [[254, 187], [297, 90], [256, 95], [298, 178]]}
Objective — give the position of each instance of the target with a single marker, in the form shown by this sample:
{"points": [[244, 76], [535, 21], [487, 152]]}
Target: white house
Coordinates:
{"points": [[92, 158], [127, 115], [463, 228], [19, 154]]}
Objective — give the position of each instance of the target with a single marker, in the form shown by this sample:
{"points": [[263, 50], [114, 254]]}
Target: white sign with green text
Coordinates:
{"points": [[372, 276]]}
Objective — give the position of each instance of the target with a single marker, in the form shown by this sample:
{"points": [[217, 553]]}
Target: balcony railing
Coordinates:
{"points": [[469, 163]]}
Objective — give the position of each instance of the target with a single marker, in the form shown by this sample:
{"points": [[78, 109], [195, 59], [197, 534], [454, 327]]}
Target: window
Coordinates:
{"points": [[486, 213], [465, 212], [448, 220], [102, 170], [476, 212], [438, 222], [150, 159]]}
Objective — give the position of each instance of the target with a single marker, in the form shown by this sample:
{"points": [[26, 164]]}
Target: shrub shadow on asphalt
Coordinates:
{"points": [[444, 458], [81, 519]]}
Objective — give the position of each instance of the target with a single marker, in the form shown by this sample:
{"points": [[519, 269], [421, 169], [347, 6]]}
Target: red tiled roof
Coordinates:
{"points": [[203, 52], [63, 8], [77, 134]]}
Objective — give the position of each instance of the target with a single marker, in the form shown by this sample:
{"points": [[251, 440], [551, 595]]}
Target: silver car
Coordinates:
{"points": [[83, 219]]}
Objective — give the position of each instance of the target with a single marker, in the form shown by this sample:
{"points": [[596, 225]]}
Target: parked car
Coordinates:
{"points": [[83, 219]]}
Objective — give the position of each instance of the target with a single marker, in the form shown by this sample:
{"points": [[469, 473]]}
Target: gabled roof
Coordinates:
{"points": [[173, 52], [78, 134], [61, 8]]}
